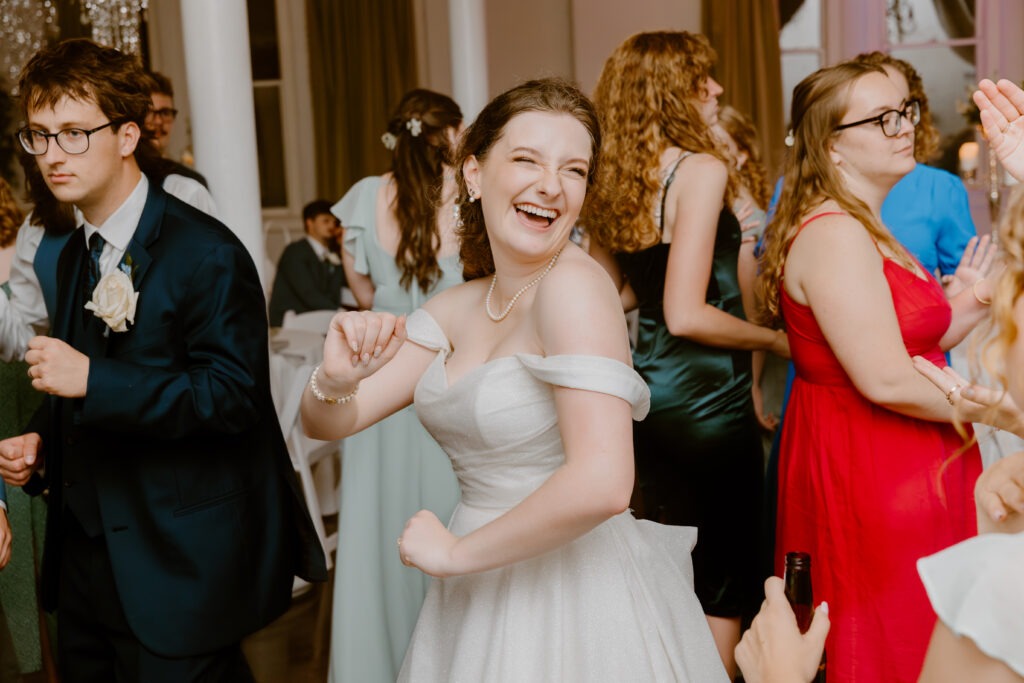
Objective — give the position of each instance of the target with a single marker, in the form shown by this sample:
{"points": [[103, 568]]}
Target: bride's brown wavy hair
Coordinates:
{"points": [[648, 100], [819, 103], [417, 164]]}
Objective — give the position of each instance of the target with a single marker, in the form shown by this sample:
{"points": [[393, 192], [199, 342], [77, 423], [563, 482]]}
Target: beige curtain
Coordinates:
{"points": [[745, 33], [362, 58]]}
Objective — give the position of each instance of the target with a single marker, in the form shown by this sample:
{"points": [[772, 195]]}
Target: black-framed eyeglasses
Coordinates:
{"points": [[891, 121], [165, 113], [71, 140]]}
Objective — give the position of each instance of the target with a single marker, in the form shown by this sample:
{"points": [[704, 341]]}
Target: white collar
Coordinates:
{"points": [[322, 253], [119, 228]]}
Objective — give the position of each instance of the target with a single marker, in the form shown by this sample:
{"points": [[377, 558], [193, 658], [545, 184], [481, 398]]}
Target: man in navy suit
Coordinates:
{"points": [[309, 274], [175, 524]]}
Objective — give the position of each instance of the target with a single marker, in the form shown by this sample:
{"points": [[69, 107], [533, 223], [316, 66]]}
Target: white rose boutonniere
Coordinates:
{"points": [[114, 301]]}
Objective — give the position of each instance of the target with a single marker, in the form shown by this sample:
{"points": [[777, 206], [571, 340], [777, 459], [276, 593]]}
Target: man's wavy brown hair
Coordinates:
{"points": [[648, 100]]}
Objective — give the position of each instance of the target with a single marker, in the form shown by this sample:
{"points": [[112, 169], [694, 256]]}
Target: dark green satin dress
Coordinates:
{"points": [[698, 452]]}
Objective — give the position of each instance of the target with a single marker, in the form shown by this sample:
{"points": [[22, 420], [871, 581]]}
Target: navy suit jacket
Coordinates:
{"points": [[198, 501]]}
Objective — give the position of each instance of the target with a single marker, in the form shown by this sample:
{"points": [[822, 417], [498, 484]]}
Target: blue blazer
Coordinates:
{"points": [[194, 489]]}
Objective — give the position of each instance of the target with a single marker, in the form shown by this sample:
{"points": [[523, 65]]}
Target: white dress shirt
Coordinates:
{"points": [[24, 314]]}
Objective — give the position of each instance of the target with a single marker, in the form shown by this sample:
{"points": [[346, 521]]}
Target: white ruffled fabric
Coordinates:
{"points": [[977, 589], [616, 604]]}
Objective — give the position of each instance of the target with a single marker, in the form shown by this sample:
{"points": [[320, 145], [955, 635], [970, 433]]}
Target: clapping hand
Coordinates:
{"points": [[426, 544], [974, 267], [1002, 116], [358, 344]]}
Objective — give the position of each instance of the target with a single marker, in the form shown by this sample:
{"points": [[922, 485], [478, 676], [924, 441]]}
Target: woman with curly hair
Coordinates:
{"points": [[399, 249], [867, 482], [662, 226]]}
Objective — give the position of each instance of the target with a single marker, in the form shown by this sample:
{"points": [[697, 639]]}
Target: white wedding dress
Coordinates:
{"points": [[616, 604]]}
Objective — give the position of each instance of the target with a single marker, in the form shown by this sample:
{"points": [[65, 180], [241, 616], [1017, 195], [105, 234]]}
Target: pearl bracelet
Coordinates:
{"points": [[330, 400], [974, 289]]}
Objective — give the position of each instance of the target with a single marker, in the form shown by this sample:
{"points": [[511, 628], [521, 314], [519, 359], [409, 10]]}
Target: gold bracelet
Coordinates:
{"points": [[330, 400], [974, 289]]}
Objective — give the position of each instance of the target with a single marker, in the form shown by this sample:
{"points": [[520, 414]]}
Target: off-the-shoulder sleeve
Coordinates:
{"points": [[357, 211], [977, 590], [592, 373], [421, 328]]}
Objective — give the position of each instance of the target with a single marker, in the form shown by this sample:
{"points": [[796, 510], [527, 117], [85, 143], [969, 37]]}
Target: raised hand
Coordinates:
{"points": [[19, 458], [1002, 116], [974, 267], [358, 344]]}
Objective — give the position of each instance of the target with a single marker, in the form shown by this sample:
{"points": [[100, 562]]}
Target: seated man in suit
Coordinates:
{"points": [[309, 274], [175, 524]]}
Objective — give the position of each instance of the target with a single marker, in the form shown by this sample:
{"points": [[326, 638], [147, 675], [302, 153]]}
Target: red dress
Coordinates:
{"points": [[868, 491]]}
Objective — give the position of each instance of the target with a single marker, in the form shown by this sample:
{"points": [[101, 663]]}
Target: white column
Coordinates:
{"points": [[469, 55], [219, 76]]}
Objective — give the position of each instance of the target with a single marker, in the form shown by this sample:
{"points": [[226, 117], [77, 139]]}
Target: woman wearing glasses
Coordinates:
{"points": [[868, 481]]}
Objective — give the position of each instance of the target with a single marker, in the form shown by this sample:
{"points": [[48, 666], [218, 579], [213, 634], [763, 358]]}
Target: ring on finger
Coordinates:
{"points": [[949, 394]]}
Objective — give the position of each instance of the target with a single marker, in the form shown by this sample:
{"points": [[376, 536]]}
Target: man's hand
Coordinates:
{"points": [[57, 368], [19, 458]]}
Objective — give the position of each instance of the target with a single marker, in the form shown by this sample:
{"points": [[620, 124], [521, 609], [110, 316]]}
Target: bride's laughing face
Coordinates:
{"points": [[532, 183]]}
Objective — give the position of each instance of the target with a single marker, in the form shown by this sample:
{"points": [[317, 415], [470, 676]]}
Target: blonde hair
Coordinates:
{"points": [[752, 174], [819, 103], [1000, 329], [647, 99]]}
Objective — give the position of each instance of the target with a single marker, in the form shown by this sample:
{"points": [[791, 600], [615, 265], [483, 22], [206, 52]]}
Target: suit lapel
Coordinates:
{"points": [[70, 266], [146, 233]]}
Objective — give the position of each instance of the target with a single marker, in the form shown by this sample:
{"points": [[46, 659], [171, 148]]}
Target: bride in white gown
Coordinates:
{"points": [[523, 375]]}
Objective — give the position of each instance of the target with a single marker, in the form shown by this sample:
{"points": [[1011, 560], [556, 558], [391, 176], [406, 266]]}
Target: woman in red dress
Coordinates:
{"points": [[870, 473]]}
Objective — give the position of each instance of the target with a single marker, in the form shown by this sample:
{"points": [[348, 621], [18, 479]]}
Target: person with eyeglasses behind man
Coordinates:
{"points": [[160, 122]]}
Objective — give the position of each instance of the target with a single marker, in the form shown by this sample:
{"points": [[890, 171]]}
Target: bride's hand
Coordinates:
{"points": [[427, 545], [358, 344]]}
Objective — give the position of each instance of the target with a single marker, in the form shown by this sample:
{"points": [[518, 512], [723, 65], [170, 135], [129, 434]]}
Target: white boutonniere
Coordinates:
{"points": [[114, 299]]}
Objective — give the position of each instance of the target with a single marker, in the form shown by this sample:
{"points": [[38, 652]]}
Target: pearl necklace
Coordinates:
{"points": [[508, 309]]}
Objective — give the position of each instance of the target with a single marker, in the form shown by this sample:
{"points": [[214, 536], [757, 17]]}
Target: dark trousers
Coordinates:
{"points": [[94, 641]]}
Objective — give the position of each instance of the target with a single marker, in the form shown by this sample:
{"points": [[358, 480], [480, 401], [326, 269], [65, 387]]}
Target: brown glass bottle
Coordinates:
{"points": [[801, 597]]}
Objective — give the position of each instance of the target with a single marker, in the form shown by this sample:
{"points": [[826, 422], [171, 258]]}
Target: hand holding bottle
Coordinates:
{"points": [[773, 650]]}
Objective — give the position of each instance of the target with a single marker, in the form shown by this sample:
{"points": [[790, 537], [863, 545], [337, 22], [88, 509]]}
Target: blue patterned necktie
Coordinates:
{"points": [[96, 243]]}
